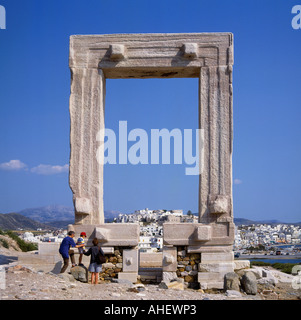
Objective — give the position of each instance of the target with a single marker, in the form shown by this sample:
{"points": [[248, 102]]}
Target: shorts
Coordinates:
{"points": [[81, 250], [94, 267]]}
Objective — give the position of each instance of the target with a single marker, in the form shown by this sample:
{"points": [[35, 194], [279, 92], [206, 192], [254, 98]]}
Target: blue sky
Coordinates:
{"points": [[34, 102]]}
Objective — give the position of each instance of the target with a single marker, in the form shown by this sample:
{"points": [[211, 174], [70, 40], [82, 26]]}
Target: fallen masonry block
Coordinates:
{"points": [[80, 273]]}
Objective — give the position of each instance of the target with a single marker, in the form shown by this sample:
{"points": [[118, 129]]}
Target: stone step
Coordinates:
{"points": [[150, 271], [150, 274]]}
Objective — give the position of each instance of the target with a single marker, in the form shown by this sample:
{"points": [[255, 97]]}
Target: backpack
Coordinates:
{"points": [[100, 258]]}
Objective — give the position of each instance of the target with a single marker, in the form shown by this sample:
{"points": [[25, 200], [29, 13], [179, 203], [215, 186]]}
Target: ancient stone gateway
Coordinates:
{"points": [[207, 56]]}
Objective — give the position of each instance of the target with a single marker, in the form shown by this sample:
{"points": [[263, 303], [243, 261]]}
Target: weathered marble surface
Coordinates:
{"points": [[207, 56], [93, 58]]}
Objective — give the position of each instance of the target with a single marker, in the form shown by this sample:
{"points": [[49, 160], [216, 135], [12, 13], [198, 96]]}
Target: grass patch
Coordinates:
{"points": [[24, 246], [4, 243], [283, 267], [259, 263]]}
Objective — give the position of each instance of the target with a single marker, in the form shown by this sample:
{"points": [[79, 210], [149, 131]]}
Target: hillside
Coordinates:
{"points": [[242, 221], [49, 213], [13, 221], [59, 216]]}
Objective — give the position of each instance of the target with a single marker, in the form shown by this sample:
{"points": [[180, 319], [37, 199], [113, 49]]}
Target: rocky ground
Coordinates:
{"points": [[23, 282]]}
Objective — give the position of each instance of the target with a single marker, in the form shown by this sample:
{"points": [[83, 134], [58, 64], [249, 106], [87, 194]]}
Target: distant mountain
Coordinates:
{"points": [[49, 214], [14, 221], [59, 216], [240, 221]]}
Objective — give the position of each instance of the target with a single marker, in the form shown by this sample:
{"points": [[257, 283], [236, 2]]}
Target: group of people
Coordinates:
{"points": [[66, 252]]}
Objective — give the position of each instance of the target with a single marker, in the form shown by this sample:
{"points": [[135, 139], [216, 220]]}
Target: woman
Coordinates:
{"points": [[94, 267]]}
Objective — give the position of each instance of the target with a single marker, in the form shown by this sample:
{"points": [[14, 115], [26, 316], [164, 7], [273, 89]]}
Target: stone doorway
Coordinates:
{"points": [[207, 56]]}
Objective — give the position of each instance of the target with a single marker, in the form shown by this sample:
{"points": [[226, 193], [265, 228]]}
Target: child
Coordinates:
{"points": [[81, 250], [94, 267]]}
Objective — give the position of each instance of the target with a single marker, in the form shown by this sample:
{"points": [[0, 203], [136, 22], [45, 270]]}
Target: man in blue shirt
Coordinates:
{"points": [[65, 250]]}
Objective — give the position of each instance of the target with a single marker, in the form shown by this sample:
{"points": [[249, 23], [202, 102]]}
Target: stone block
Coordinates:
{"points": [[185, 234], [169, 259], [282, 277], [257, 272], [268, 275], [108, 265], [231, 281], [188, 268], [222, 267], [190, 50], [203, 233], [117, 51], [200, 248], [210, 276], [209, 257], [219, 205], [211, 280], [82, 205], [102, 234], [130, 260], [108, 250], [241, 264], [168, 276], [80, 273], [150, 259], [248, 283], [130, 276], [111, 234], [182, 253]]}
